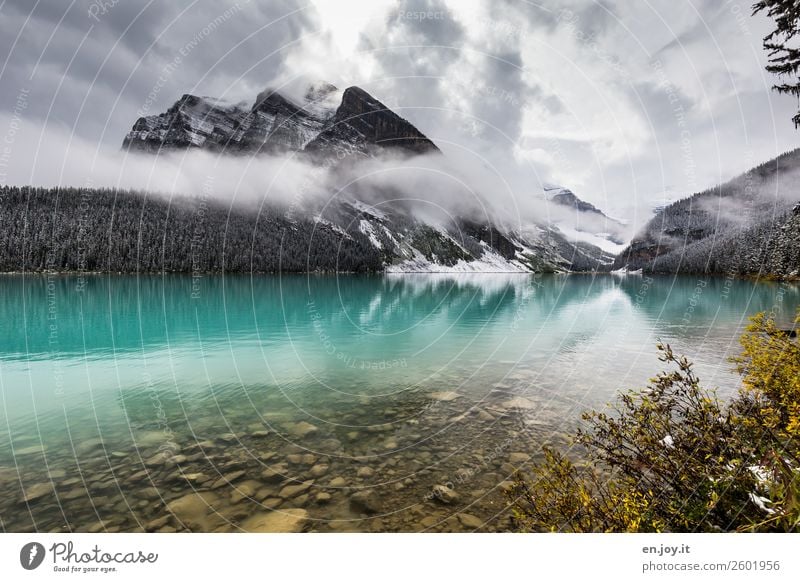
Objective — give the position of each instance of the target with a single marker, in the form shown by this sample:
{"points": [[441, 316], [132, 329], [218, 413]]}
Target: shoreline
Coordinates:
{"points": [[768, 278]]}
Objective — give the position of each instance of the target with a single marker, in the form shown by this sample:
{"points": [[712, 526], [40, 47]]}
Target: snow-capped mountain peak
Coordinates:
{"points": [[319, 118]]}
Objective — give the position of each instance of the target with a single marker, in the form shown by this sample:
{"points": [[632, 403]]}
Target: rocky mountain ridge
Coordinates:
{"points": [[325, 118]]}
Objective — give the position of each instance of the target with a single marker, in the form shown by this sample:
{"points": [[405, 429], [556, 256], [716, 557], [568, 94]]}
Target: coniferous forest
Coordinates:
{"points": [[81, 229]]}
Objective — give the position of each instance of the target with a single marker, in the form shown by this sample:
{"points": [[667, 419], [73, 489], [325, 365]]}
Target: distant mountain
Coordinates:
{"points": [[566, 197], [748, 225], [585, 222]]}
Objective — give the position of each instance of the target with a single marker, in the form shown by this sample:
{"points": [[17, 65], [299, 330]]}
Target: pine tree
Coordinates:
{"points": [[784, 59]]}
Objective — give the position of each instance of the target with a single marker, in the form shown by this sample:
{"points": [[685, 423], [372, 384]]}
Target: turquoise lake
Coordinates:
{"points": [[164, 403]]}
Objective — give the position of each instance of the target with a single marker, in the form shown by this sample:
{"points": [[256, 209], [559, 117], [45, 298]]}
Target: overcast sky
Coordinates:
{"points": [[624, 102]]}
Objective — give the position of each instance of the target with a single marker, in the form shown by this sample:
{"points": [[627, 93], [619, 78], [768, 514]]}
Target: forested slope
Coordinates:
{"points": [[746, 226], [73, 229]]}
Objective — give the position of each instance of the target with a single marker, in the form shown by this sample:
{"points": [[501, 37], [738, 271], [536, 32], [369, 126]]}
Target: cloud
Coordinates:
{"points": [[435, 187], [577, 92]]}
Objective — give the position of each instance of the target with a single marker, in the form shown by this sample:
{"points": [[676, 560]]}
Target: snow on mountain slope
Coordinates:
{"points": [[324, 120], [489, 262], [412, 245], [583, 222]]}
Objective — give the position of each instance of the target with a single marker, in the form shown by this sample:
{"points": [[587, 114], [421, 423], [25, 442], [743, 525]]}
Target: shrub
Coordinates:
{"points": [[672, 457]]}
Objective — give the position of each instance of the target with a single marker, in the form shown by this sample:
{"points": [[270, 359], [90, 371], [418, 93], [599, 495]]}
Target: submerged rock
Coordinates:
{"points": [[318, 470], [274, 473], [157, 524], [366, 501], [444, 494], [37, 491], [245, 490], [56, 474], [301, 429], [294, 490], [520, 403], [227, 479], [519, 458], [277, 521], [271, 502], [470, 521], [32, 450], [298, 459], [446, 396], [195, 511], [429, 521], [365, 472]]}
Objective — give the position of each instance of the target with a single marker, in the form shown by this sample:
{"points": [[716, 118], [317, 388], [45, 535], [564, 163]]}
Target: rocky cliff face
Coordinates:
{"points": [[363, 123], [323, 119], [199, 122]]}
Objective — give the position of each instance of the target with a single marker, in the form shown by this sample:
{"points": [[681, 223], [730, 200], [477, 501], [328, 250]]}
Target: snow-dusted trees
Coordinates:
{"points": [[75, 229]]}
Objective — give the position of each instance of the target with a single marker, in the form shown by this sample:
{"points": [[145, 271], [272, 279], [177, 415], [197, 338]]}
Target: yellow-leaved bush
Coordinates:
{"points": [[672, 457]]}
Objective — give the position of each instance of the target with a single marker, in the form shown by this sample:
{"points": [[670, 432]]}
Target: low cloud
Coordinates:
{"points": [[433, 187]]}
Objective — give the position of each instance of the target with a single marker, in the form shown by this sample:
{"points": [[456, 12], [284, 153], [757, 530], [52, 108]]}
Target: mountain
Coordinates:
{"points": [[584, 221], [566, 197], [748, 225], [326, 126], [362, 123], [324, 119]]}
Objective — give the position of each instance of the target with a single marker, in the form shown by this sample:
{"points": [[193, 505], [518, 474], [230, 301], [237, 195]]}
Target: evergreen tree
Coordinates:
{"points": [[784, 59]]}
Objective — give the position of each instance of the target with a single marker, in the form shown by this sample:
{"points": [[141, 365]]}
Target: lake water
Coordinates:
{"points": [[329, 403]]}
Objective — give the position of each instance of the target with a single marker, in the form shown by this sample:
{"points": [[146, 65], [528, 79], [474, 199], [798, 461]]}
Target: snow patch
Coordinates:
{"points": [[365, 226], [367, 209]]}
